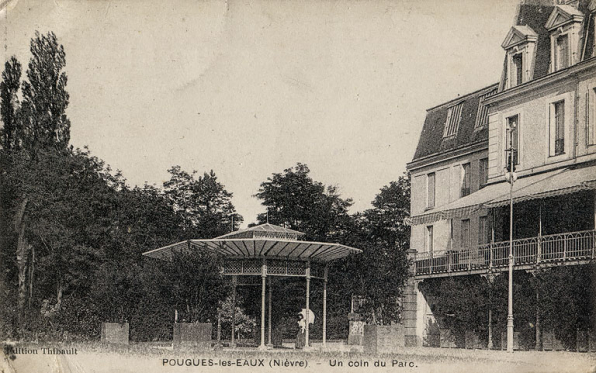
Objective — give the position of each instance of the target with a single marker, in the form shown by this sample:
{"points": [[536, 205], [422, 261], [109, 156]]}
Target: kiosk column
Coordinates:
{"points": [[307, 316], [263, 285]]}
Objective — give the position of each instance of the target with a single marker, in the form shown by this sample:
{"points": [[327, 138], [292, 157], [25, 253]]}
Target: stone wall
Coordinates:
{"points": [[379, 339], [192, 334], [551, 343], [447, 338], [115, 333], [472, 340]]}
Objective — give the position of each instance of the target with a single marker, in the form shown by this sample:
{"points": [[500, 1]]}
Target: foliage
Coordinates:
{"points": [[445, 296], [196, 285], [245, 325], [567, 303], [203, 203], [45, 98], [384, 264], [562, 297], [391, 208], [9, 104], [294, 200]]}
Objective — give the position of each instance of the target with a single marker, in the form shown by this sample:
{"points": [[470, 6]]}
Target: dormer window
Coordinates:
{"points": [[482, 114], [562, 52], [564, 25], [520, 45], [517, 69], [452, 122]]}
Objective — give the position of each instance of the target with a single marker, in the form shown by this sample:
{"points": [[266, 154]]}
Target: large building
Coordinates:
{"points": [[540, 116]]}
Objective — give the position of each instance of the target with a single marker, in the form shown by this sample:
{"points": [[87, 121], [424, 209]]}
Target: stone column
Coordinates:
{"points": [[413, 336]]}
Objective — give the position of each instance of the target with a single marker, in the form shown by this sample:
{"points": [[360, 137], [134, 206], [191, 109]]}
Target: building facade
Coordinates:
{"points": [[541, 118]]}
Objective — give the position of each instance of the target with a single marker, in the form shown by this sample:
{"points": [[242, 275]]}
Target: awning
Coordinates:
{"points": [[482, 199], [568, 180]]}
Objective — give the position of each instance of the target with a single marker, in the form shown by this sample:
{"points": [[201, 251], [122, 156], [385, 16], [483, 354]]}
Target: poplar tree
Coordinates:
{"points": [[30, 130], [45, 98], [9, 104]]}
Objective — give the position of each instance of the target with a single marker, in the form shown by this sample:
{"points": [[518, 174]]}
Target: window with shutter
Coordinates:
{"points": [[513, 138], [466, 179], [430, 190], [482, 114], [452, 122], [557, 128], [517, 72], [483, 172], [483, 233], [562, 52], [591, 105], [465, 234], [429, 239]]}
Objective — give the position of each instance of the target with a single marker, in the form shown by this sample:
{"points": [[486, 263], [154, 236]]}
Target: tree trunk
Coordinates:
{"points": [[21, 253], [58, 296], [31, 274]]}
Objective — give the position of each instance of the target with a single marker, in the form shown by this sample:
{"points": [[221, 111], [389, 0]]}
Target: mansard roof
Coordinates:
{"points": [[539, 18], [431, 140]]}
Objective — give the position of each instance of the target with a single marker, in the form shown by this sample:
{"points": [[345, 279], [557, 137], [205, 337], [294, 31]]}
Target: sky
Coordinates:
{"points": [[250, 88]]}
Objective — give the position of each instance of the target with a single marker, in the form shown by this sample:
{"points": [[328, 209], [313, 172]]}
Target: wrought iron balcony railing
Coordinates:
{"points": [[572, 246]]}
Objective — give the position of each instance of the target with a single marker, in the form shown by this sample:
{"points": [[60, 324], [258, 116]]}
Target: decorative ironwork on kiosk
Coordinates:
{"points": [[267, 250]]}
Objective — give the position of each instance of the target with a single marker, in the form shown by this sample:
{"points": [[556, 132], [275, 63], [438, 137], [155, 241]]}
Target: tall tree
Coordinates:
{"points": [[62, 194], [45, 98], [9, 104], [39, 123], [9, 141], [295, 200], [390, 209], [203, 202], [379, 273]]}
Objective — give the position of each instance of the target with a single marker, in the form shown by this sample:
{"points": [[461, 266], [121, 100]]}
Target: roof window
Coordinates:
{"points": [[452, 122]]}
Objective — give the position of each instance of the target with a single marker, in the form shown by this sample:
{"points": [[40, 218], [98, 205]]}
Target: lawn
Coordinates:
{"points": [[97, 358]]}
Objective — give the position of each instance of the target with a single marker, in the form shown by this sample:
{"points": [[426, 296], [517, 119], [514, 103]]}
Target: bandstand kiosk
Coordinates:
{"points": [[267, 250]]}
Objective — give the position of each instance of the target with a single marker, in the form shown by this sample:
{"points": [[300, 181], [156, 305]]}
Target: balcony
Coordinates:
{"points": [[544, 251]]}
